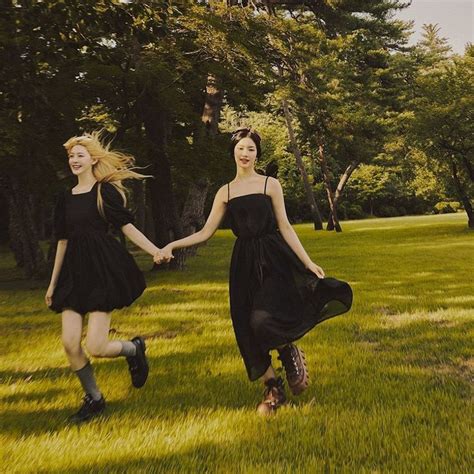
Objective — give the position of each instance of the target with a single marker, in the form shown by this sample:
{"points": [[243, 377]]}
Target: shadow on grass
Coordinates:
{"points": [[32, 397], [9, 377], [186, 382], [26, 423], [200, 459], [173, 388]]}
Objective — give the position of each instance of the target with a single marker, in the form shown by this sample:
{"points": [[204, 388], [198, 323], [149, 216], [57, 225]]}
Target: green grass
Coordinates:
{"points": [[391, 380]]}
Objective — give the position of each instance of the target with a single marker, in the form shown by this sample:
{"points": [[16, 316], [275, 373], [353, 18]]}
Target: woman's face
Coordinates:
{"points": [[245, 153], [80, 160]]}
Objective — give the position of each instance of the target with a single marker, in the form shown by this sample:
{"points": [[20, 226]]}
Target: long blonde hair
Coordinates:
{"points": [[111, 167]]}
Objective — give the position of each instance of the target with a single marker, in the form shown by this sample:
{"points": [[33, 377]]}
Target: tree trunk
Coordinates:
{"points": [[139, 200], [23, 234], [462, 195], [315, 214], [165, 216], [212, 107], [468, 167], [167, 223], [193, 211], [192, 217], [327, 184], [149, 221], [340, 187]]}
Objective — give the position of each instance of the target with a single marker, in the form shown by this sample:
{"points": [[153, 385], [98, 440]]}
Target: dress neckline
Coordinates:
{"points": [[250, 194], [86, 192]]}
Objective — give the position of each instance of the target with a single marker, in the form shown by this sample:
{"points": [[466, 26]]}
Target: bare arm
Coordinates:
{"points": [[212, 224], [58, 263], [286, 230], [139, 239]]}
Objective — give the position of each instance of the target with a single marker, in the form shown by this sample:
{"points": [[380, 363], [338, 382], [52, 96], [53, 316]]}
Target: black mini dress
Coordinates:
{"points": [[98, 274], [274, 299]]}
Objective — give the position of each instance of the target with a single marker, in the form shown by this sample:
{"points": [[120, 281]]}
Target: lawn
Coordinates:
{"points": [[391, 381]]}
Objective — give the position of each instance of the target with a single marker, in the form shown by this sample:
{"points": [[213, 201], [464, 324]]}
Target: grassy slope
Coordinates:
{"points": [[391, 380]]}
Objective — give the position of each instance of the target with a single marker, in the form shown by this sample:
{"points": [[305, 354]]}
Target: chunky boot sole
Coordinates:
{"points": [[301, 385]]}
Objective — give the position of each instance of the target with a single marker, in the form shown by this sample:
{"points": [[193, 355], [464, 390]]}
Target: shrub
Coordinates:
{"points": [[387, 211], [446, 207], [350, 211]]}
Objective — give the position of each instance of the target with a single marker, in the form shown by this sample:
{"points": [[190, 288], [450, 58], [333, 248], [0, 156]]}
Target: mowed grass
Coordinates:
{"points": [[391, 381]]}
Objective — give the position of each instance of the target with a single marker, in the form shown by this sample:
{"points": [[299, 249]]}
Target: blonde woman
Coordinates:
{"points": [[93, 272], [277, 293]]}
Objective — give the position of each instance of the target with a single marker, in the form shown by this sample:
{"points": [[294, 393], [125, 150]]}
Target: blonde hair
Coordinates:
{"points": [[111, 166]]}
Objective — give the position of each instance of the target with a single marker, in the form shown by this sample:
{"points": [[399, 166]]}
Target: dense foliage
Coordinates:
{"points": [[379, 128]]}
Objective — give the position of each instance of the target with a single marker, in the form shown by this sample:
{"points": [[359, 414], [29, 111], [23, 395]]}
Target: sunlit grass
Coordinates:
{"points": [[391, 380]]}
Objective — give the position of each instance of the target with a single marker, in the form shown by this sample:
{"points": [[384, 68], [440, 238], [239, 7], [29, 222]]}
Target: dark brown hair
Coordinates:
{"points": [[240, 133]]}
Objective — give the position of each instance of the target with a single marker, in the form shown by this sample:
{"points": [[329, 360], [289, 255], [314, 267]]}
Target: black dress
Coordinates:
{"points": [[98, 274], [274, 299]]}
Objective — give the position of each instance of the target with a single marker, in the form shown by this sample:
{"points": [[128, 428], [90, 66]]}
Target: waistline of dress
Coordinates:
{"points": [[88, 231], [259, 237]]}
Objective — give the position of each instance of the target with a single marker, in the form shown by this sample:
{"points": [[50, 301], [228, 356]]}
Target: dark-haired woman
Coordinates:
{"points": [[277, 293]]}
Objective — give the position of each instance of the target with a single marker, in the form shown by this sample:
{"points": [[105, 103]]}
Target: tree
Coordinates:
{"points": [[443, 124], [329, 56], [432, 46], [37, 104]]}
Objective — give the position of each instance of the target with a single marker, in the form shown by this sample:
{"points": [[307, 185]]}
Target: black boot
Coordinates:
{"points": [[138, 364], [89, 409], [294, 362], [273, 397]]}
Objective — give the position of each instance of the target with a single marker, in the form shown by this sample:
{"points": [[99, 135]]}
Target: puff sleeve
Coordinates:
{"points": [[114, 209], [59, 218]]}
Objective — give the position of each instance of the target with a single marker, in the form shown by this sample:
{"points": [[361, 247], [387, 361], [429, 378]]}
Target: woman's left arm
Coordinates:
{"points": [[286, 230], [139, 239]]}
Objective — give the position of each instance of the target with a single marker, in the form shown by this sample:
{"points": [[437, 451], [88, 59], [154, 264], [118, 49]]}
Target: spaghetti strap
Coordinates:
{"points": [[265, 188], [228, 192]]}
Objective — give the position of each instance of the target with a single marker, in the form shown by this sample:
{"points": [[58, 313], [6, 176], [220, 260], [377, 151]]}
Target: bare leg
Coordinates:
{"points": [[274, 395], [269, 374], [98, 345], [71, 338], [97, 340]]}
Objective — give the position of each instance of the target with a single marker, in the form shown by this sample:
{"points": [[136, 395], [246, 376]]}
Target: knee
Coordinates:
{"points": [[96, 348], [72, 346]]}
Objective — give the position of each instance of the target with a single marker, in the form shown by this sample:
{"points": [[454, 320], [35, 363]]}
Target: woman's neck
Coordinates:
{"points": [[244, 174], [86, 180]]}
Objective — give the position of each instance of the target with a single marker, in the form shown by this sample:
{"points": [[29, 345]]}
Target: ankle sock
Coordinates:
{"points": [[87, 379], [128, 349]]}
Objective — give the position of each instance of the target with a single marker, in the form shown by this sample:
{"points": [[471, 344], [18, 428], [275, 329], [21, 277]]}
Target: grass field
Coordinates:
{"points": [[391, 380]]}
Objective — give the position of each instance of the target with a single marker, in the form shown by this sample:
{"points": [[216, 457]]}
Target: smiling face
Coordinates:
{"points": [[245, 153], [80, 160]]}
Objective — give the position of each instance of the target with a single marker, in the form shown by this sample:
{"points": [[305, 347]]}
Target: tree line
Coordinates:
{"points": [[354, 122]]}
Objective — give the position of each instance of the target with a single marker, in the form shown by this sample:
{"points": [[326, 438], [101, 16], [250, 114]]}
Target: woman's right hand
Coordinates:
{"points": [[49, 295], [164, 255], [316, 269]]}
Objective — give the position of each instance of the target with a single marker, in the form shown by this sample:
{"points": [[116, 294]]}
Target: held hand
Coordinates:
{"points": [[49, 296], [316, 269], [157, 257], [164, 255], [167, 253]]}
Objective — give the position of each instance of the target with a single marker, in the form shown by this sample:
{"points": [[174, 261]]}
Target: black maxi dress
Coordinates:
{"points": [[274, 299], [98, 274]]}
